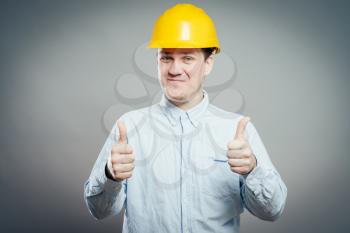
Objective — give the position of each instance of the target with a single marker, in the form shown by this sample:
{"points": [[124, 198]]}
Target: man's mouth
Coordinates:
{"points": [[175, 80], [178, 79]]}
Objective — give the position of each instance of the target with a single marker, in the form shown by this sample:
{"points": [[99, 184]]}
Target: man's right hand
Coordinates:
{"points": [[121, 160]]}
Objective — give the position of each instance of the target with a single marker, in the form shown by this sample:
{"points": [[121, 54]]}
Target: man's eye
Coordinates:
{"points": [[188, 58], [166, 59]]}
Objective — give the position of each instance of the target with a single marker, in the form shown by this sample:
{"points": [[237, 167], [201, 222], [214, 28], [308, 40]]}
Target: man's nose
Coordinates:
{"points": [[175, 69]]}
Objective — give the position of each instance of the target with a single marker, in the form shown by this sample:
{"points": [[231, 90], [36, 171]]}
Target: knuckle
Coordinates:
{"points": [[233, 144], [130, 167], [236, 144], [120, 147], [124, 175], [128, 147], [234, 154], [127, 160], [114, 149], [114, 159], [116, 168], [230, 162]]}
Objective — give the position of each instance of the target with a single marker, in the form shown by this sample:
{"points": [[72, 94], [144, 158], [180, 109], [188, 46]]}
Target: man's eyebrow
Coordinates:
{"points": [[187, 52]]}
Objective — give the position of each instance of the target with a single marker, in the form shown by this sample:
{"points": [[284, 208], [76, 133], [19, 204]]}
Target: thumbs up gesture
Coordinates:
{"points": [[240, 156], [121, 160]]}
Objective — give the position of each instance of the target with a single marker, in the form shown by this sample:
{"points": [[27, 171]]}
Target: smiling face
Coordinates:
{"points": [[181, 73]]}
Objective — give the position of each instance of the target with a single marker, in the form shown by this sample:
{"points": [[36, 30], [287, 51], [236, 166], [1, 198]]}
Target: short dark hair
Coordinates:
{"points": [[208, 51]]}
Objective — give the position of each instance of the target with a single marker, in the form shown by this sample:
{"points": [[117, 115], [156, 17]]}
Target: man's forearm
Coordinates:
{"points": [[264, 193]]}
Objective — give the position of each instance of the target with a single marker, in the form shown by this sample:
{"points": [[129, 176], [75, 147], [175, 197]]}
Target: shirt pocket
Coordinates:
{"points": [[219, 181], [216, 188], [218, 191], [211, 171]]}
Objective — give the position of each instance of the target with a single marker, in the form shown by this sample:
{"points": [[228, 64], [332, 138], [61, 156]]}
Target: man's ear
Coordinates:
{"points": [[209, 63]]}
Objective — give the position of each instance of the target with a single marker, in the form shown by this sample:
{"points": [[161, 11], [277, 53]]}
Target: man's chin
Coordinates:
{"points": [[176, 98]]}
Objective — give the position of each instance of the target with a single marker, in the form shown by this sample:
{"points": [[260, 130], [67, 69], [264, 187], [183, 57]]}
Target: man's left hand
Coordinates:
{"points": [[240, 156]]}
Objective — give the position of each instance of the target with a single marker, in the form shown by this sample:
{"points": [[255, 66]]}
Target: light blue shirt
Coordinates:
{"points": [[182, 181]]}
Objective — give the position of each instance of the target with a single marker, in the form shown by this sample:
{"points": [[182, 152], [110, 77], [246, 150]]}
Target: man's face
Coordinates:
{"points": [[181, 73]]}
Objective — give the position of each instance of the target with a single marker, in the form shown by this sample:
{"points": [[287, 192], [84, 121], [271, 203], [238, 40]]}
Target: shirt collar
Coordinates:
{"points": [[173, 113]]}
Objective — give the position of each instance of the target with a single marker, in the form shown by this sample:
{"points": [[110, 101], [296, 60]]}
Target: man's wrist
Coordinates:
{"points": [[108, 174]]}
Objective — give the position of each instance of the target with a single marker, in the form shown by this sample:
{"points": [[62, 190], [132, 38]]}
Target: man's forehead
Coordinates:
{"points": [[179, 50]]}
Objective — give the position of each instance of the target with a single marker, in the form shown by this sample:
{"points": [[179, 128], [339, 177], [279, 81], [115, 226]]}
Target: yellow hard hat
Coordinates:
{"points": [[184, 26]]}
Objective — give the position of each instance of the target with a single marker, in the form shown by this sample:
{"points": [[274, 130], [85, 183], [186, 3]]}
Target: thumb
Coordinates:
{"points": [[122, 132], [241, 128]]}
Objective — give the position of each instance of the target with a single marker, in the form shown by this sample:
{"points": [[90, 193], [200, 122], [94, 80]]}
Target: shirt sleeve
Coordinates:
{"points": [[263, 191], [104, 197]]}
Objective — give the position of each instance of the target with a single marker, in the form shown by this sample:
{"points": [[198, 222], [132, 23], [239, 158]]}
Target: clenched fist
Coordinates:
{"points": [[121, 160], [240, 156]]}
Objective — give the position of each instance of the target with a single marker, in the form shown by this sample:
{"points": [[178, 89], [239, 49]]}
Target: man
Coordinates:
{"points": [[184, 165]]}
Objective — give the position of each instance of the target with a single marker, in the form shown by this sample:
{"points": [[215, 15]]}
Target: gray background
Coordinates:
{"points": [[59, 64]]}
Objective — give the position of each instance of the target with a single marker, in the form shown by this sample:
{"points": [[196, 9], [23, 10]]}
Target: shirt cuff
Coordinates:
{"points": [[101, 183], [260, 181], [112, 185], [109, 184]]}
